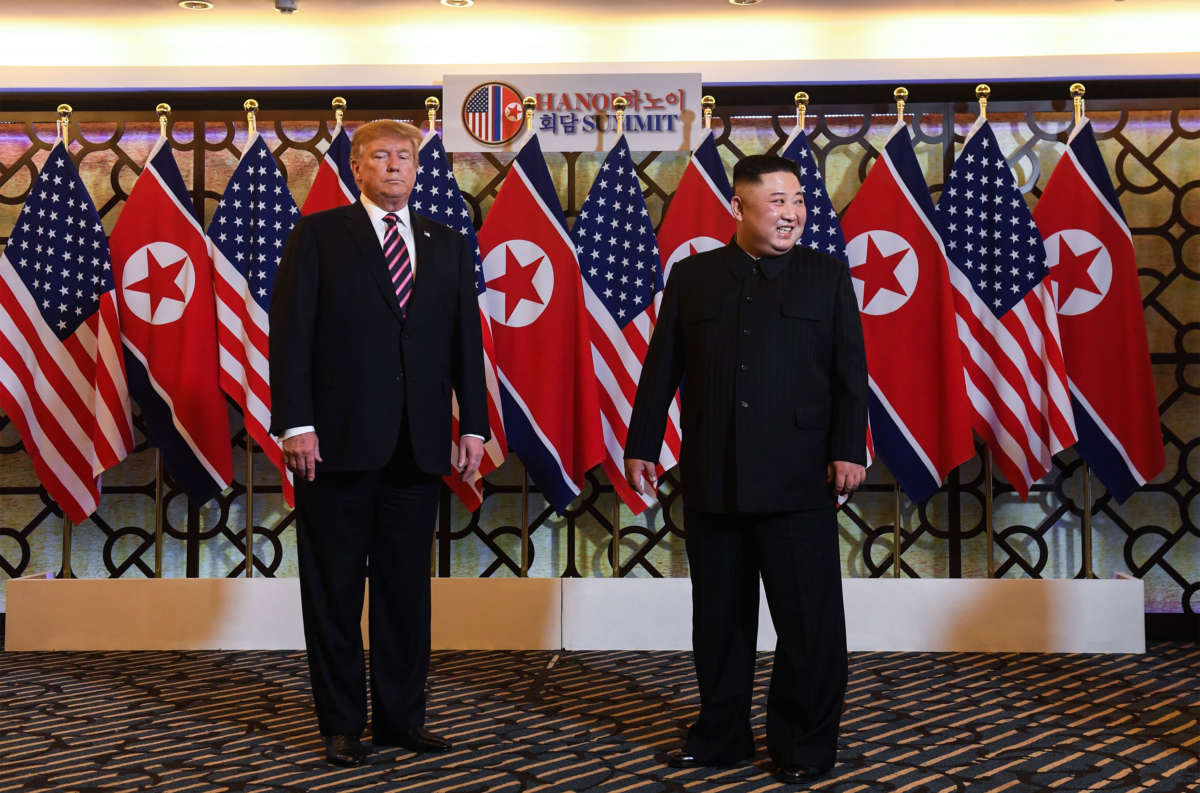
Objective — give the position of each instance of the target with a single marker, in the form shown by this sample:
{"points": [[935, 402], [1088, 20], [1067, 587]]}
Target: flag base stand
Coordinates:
{"points": [[882, 614]]}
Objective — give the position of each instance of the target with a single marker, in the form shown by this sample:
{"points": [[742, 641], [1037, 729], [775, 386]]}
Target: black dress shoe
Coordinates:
{"points": [[417, 739], [344, 750], [682, 758], [799, 774]]}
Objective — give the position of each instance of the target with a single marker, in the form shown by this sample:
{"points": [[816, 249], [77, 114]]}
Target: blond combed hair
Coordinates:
{"points": [[383, 128]]}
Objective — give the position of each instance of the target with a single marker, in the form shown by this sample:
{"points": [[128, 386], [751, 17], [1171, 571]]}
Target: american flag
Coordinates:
{"points": [[436, 195], [62, 379], [493, 113], [247, 233], [1012, 357], [618, 255], [822, 231]]}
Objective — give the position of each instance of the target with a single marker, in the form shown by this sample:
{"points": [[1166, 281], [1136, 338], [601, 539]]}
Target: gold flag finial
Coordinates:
{"points": [[432, 103], [530, 104], [339, 109], [251, 108], [901, 97], [1077, 92], [64, 121], [708, 103], [619, 105], [982, 92], [164, 117], [801, 100]]}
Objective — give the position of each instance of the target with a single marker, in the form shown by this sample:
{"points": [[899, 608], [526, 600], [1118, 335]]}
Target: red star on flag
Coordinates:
{"points": [[517, 282], [879, 272], [1071, 272], [159, 282]]}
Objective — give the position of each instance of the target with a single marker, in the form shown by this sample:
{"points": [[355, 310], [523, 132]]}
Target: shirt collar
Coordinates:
{"points": [[376, 213], [771, 265]]}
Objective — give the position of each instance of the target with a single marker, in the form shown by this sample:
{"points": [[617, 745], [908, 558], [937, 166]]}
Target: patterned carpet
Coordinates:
{"points": [[914, 723]]}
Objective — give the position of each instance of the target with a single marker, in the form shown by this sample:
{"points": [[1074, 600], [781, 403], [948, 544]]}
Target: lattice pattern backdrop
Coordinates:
{"points": [[1153, 150]]}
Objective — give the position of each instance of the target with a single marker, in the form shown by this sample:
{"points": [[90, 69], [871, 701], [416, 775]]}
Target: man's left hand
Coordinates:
{"points": [[845, 477], [470, 454]]}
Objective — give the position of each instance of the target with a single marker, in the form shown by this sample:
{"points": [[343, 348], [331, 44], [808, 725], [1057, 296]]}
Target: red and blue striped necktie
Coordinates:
{"points": [[399, 265]]}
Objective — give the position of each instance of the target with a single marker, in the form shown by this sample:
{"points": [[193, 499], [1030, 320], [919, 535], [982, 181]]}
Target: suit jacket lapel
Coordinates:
{"points": [[371, 254], [426, 262]]}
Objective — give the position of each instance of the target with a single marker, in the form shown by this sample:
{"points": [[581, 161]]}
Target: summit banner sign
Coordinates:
{"points": [[573, 112]]}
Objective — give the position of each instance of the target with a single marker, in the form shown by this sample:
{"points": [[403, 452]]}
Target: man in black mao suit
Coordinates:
{"points": [[766, 340], [373, 321]]}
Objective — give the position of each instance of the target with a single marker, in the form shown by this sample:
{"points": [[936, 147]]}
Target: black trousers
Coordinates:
{"points": [[797, 555], [346, 520]]}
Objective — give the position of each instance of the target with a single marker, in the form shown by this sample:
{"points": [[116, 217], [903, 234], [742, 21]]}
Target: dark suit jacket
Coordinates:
{"points": [[344, 361], [774, 379]]}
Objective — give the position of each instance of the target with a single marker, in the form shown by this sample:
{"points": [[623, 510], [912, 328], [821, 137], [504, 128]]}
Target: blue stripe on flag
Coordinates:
{"points": [[543, 469], [182, 465], [708, 158], [900, 151], [901, 459], [164, 164], [496, 112], [1088, 153], [1104, 458], [533, 163]]}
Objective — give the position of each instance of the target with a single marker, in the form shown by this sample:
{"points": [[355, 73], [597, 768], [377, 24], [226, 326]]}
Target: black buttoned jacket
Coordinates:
{"points": [[771, 360], [345, 361]]}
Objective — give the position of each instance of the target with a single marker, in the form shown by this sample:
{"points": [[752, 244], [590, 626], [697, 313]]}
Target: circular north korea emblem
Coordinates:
{"points": [[690, 248], [157, 282], [883, 270], [492, 113], [520, 281], [1080, 270]]}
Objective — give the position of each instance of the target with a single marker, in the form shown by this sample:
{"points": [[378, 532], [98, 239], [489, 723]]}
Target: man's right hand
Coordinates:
{"points": [[642, 476], [301, 453]]}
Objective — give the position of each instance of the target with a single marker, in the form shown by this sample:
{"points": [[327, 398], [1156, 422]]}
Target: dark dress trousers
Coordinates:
{"points": [[774, 387], [376, 385]]}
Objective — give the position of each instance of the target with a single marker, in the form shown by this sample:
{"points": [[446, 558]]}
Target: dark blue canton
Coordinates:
{"points": [[822, 230], [436, 195], [988, 229], [254, 218], [614, 239], [58, 246]]}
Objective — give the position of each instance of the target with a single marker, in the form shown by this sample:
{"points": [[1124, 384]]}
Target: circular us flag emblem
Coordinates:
{"points": [[492, 113]]}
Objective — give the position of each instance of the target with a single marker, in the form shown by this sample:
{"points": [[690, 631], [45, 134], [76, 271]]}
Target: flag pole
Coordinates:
{"points": [[251, 108], [707, 103], [896, 538], [339, 109], [530, 104], [901, 97], [987, 507], [801, 100], [158, 513], [432, 103], [63, 126], [1077, 93], [619, 104], [524, 522], [982, 92], [163, 110]]}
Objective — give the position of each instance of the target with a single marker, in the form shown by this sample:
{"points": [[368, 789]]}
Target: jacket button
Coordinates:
{"points": [[744, 404], [745, 331], [744, 367]]}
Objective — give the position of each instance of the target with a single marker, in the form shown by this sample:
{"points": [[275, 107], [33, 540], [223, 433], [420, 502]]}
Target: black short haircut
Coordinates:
{"points": [[754, 167]]}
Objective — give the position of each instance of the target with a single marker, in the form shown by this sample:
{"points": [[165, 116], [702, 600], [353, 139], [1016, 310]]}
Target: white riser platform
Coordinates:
{"points": [[962, 615]]}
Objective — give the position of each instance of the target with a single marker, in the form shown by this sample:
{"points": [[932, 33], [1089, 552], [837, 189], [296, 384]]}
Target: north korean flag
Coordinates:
{"points": [[1094, 283], [540, 330], [168, 320], [333, 186], [920, 416], [698, 218]]}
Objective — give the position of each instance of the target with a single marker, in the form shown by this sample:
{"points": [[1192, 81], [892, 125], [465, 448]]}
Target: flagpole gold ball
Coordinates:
{"points": [[982, 92], [339, 108], [64, 112], [163, 110], [432, 103], [1077, 90], [901, 97], [801, 100], [250, 106]]}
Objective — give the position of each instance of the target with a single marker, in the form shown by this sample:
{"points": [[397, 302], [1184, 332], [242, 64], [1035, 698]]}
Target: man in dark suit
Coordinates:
{"points": [[373, 321], [765, 338]]}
